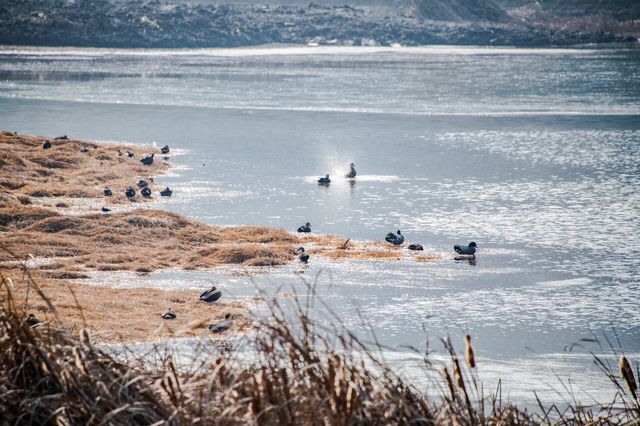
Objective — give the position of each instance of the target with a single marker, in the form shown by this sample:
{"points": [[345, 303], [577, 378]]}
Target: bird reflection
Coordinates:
{"points": [[471, 260]]}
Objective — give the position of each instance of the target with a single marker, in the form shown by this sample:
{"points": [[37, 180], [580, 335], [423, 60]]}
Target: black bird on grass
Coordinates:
{"points": [[211, 295], [166, 192], [31, 320], [146, 192], [394, 239], [303, 257], [223, 325], [107, 191], [142, 183], [148, 160], [305, 228], [470, 250], [46, 145], [130, 154], [61, 138], [415, 246], [130, 192], [105, 210]]}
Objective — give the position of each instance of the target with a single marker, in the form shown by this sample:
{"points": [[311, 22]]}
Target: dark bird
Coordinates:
{"points": [[148, 160], [31, 320], [107, 191], [415, 246], [165, 149], [352, 171], [61, 138], [223, 325], [46, 145], [324, 180], [170, 314], [130, 192], [303, 257], [142, 183], [469, 250], [119, 153], [166, 192], [211, 295], [146, 192], [394, 239], [105, 210], [130, 154], [305, 228]]}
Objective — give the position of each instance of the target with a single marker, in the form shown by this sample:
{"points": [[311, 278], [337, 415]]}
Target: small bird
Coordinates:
{"points": [[223, 325], [31, 320], [415, 246], [105, 210], [324, 180], [130, 192], [165, 149], [303, 257], [148, 160], [146, 192], [46, 145], [170, 314], [166, 192], [107, 191], [394, 239], [211, 295], [305, 228], [61, 138], [352, 171], [130, 154], [142, 183], [469, 250]]}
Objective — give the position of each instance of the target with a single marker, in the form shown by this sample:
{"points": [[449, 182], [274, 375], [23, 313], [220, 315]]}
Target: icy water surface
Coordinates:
{"points": [[532, 153]]}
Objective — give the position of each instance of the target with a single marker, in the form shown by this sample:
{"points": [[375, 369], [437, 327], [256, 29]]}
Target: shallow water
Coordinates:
{"points": [[532, 153]]}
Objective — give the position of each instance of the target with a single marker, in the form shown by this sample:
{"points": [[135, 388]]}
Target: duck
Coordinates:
{"points": [[166, 192], [105, 210], [170, 314], [61, 138], [469, 250], [211, 295], [394, 239], [130, 192], [148, 160], [303, 257], [130, 154], [305, 228], [142, 183], [46, 145], [415, 246], [107, 191], [146, 192], [223, 325], [165, 149], [352, 171], [31, 320], [324, 180]]}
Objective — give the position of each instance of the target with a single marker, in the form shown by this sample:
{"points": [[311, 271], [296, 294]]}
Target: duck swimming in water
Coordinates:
{"points": [[305, 228], [415, 246], [324, 180], [166, 192], [352, 171], [165, 149], [394, 239], [470, 250], [223, 325], [211, 295], [303, 257]]}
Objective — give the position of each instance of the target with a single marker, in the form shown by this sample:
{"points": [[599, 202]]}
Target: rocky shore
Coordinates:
{"points": [[150, 24]]}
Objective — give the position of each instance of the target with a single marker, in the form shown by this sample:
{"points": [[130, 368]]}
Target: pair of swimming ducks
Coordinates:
{"points": [[352, 174]]}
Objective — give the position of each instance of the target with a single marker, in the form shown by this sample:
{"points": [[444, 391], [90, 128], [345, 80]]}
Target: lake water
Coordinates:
{"points": [[532, 153]]}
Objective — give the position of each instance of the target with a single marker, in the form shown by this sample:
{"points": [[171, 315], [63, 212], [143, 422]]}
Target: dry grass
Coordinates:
{"points": [[300, 373]]}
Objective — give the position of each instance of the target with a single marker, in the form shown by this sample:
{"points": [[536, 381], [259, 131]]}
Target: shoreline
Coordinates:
{"points": [[63, 246]]}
